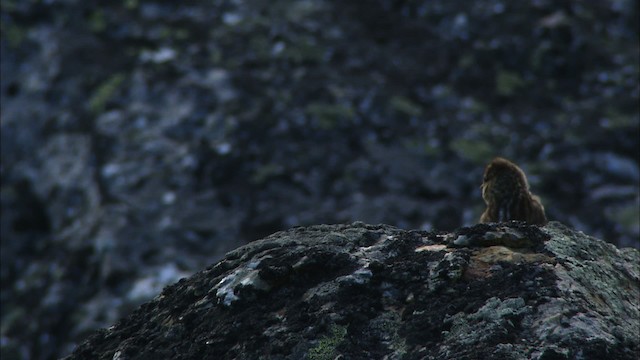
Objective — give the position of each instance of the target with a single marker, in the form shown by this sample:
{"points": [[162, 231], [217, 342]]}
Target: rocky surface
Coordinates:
{"points": [[141, 140], [371, 292]]}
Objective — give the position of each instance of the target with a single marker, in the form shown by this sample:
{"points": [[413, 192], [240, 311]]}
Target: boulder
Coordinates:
{"points": [[358, 291]]}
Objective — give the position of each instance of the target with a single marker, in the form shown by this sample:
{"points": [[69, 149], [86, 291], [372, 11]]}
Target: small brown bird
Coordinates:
{"points": [[505, 190]]}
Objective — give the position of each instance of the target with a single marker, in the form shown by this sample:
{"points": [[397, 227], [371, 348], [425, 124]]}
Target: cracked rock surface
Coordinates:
{"points": [[363, 291]]}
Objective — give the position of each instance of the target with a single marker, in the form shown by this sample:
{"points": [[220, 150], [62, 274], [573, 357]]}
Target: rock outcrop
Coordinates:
{"points": [[491, 291], [142, 140]]}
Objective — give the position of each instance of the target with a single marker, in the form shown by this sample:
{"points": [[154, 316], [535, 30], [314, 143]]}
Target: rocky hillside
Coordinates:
{"points": [[508, 291], [142, 140]]}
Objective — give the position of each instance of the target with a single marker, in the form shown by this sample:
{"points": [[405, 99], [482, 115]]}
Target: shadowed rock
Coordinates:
{"points": [[491, 291]]}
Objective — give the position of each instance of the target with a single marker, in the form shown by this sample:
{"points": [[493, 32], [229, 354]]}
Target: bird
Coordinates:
{"points": [[505, 191]]}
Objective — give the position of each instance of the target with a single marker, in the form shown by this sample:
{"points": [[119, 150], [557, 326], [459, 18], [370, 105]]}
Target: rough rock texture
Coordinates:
{"points": [[492, 291], [141, 140]]}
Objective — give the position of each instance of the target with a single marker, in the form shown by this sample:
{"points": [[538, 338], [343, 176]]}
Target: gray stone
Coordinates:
{"points": [[371, 292]]}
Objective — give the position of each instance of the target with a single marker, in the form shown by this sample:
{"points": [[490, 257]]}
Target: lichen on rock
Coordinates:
{"points": [[363, 291]]}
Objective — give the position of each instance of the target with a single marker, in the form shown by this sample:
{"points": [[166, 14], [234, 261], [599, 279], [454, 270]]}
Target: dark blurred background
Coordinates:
{"points": [[141, 140]]}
